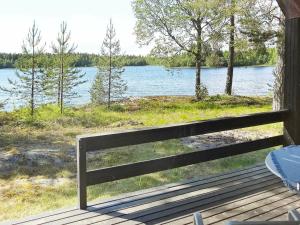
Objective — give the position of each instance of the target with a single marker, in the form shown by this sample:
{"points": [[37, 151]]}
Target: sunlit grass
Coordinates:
{"points": [[50, 130]]}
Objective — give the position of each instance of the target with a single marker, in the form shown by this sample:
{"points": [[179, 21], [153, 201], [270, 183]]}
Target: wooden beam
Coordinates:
{"points": [[81, 175], [292, 81], [290, 8], [171, 162], [134, 137]]}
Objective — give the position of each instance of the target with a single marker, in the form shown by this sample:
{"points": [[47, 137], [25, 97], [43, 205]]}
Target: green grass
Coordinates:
{"points": [[50, 130]]}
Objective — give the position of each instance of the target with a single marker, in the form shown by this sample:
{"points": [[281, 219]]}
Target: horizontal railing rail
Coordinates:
{"points": [[101, 142], [171, 162]]}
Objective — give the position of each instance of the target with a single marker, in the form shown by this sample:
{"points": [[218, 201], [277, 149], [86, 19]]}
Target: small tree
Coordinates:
{"points": [[28, 86], [97, 90], [108, 84], [64, 76]]}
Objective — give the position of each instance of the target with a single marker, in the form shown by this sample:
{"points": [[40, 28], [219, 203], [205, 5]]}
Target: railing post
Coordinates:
{"points": [[292, 81], [81, 174]]}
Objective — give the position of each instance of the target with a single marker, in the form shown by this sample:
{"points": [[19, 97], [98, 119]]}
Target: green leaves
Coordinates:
{"points": [[28, 85], [64, 77], [108, 84], [44, 78], [180, 26]]}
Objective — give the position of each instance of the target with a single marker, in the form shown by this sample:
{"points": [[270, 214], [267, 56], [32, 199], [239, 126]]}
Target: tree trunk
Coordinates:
{"points": [[33, 75], [33, 82], [58, 90], [59, 81], [278, 95], [62, 86], [229, 81], [198, 88], [198, 80], [110, 66], [109, 81]]}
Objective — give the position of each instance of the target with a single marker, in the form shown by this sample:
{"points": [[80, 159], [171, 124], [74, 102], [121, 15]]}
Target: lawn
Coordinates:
{"points": [[35, 184]]}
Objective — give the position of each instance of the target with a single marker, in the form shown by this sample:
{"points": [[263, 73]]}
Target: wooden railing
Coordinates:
{"points": [[102, 142]]}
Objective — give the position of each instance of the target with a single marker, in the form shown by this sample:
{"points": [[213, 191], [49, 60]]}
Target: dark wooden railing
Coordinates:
{"points": [[101, 142]]}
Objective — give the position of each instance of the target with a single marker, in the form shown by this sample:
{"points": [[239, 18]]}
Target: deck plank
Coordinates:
{"points": [[279, 209], [191, 205], [154, 203], [247, 211], [139, 197], [234, 193], [284, 216], [248, 194], [234, 205]]}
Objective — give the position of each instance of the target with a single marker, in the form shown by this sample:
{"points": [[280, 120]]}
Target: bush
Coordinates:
{"points": [[202, 92]]}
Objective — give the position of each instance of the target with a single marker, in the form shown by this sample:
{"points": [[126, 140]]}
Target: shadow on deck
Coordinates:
{"points": [[249, 194]]}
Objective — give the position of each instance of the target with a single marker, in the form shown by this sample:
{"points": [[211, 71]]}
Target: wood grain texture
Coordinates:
{"points": [[292, 81], [248, 194]]}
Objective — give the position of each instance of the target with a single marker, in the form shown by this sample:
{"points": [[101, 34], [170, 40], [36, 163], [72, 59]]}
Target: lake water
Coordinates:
{"points": [[156, 80]]}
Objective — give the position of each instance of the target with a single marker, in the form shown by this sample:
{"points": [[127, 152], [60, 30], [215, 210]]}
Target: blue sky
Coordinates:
{"points": [[87, 20]]}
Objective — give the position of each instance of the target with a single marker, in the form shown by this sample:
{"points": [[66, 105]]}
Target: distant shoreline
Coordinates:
{"points": [[182, 67]]}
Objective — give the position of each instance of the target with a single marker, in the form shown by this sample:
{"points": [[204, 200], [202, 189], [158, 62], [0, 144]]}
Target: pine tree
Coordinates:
{"points": [[109, 83], [98, 91], [28, 86], [64, 76]]}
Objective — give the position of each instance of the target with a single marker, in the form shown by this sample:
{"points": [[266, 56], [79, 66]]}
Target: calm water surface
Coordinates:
{"points": [[156, 80]]}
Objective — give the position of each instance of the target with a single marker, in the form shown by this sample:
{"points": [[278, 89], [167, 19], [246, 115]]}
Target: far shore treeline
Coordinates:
{"points": [[252, 57]]}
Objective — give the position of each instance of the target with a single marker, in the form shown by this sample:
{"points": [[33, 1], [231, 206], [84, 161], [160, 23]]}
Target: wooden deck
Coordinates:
{"points": [[250, 194]]}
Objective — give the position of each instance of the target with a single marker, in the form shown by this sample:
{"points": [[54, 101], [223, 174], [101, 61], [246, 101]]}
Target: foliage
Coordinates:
{"points": [[261, 22], [132, 60], [246, 57], [251, 56], [265, 23], [108, 84], [97, 91], [8, 60], [202, 91], [215, 59], [85, 60], [63, 76], [178, 60], [176, 27], [234, 14], [28, 86]]}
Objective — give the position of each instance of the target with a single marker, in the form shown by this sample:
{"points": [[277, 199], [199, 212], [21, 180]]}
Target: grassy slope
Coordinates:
{"points": [[52, 131]]}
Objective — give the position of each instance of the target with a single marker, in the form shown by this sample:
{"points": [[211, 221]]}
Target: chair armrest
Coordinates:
{"points": [[198, 219], [294, 215]]}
